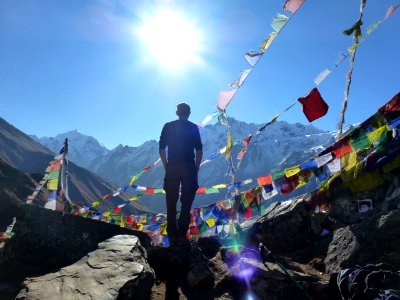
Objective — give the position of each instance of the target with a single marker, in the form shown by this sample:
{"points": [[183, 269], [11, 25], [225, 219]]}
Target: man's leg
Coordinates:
{"points": [[188, 192], [171, 187]]}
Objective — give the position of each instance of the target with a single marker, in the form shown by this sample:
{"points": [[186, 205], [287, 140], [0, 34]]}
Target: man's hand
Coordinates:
{"points": [[163, 157]]}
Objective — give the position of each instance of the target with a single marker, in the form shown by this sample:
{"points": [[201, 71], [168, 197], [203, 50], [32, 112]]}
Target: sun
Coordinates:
{"points": [[170, 39]]}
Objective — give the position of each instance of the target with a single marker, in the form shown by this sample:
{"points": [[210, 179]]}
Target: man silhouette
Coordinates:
{"points": [[181, 137]]}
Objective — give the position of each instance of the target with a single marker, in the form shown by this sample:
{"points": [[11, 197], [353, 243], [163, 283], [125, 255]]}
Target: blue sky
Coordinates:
{"points": [[82, 65]]}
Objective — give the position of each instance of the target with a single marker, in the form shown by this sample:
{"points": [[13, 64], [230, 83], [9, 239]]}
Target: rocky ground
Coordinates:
{"points": [[66, 257]]}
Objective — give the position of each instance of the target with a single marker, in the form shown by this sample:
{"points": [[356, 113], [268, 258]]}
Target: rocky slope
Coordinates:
{"points": [[28, 156]]}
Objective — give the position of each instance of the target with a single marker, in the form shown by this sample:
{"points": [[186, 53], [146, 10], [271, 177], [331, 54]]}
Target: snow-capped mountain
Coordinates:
{"points": [[281, 145], [83, 149]]}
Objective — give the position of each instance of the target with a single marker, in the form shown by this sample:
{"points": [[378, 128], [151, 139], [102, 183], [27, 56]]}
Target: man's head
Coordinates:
{"points": [[183, 111]]}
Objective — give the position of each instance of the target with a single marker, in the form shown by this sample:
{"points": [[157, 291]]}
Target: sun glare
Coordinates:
{"points": [[170, 39]]}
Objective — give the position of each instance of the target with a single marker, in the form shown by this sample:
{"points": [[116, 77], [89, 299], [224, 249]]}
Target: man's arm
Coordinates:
{"points": [[199, 156], [163, 157]]}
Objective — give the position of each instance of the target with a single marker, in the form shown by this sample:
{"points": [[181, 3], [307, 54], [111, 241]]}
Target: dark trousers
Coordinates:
{"points": [[183, 177]]}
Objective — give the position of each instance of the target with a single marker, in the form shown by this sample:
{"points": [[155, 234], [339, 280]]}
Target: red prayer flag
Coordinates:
{"points": [[129, 220], [194, 230], [117, 210], [392, 105], [342, 151], [292, 5], [148, 167], [106, 196], [246, 142], [149, 190], [248, 213], [265, 180], [314, 107], [201, 190]]}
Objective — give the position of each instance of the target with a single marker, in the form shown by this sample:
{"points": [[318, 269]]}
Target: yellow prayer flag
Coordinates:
{"points": [[376, 134], [106, 213], [268, 41], [220, 186], [348, 161], [228, 145], [369, 181], [163, 229], [222, 150], [121, 224], [133, 198], [132, 180], [210, 222], [289, 172], [143, 219], [95, 203], [52, 184], [139, 226]]}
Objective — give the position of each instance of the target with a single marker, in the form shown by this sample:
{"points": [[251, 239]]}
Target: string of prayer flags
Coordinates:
{"points": [[373, 27], [141, 172], [225, 97], [356, 30], [208, 118], [314, 107], [292, 5], [252, 57]]}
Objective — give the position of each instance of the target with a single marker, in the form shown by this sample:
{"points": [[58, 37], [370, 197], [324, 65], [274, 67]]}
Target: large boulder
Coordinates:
{"points": [[116, 270], [50, 238], [375, 240], [287, 229]]}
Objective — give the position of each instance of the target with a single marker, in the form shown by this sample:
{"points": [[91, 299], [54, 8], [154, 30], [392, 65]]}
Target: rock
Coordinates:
{"points": [[116, 270], [251, 279], [375, 240], [286, 229], [49, 238], [209, 246]]}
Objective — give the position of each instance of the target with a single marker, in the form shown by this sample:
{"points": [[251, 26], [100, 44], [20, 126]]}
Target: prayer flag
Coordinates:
{"points": [[376, 134], [342, 151], [252, 57], [321, 77], [268, 41], [223, 118], [52, 184], [289, 172], [95, 203], [209, 118], [149, 190], [391, 10], [106, 213], [247, 181], [391, 106], [210, 222], [248, 213], [224, 98], [53, 175], [228, 145], [268, 195], [374, 26], [264, 180], [133, 198], [279, 22], [246, 142], [117, 210], [323, 159], [314, 107], [201, 190], [106, 196], [311, 164], [129, 220], [212, 191], [241, 78], [220, 186], [292, 5]]}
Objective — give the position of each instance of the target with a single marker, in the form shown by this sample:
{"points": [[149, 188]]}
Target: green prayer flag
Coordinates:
{"points": [[279, 22], [360, 143], [212, 190], [53, 175], [268, 41], [278, 175], [374, 26]]}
